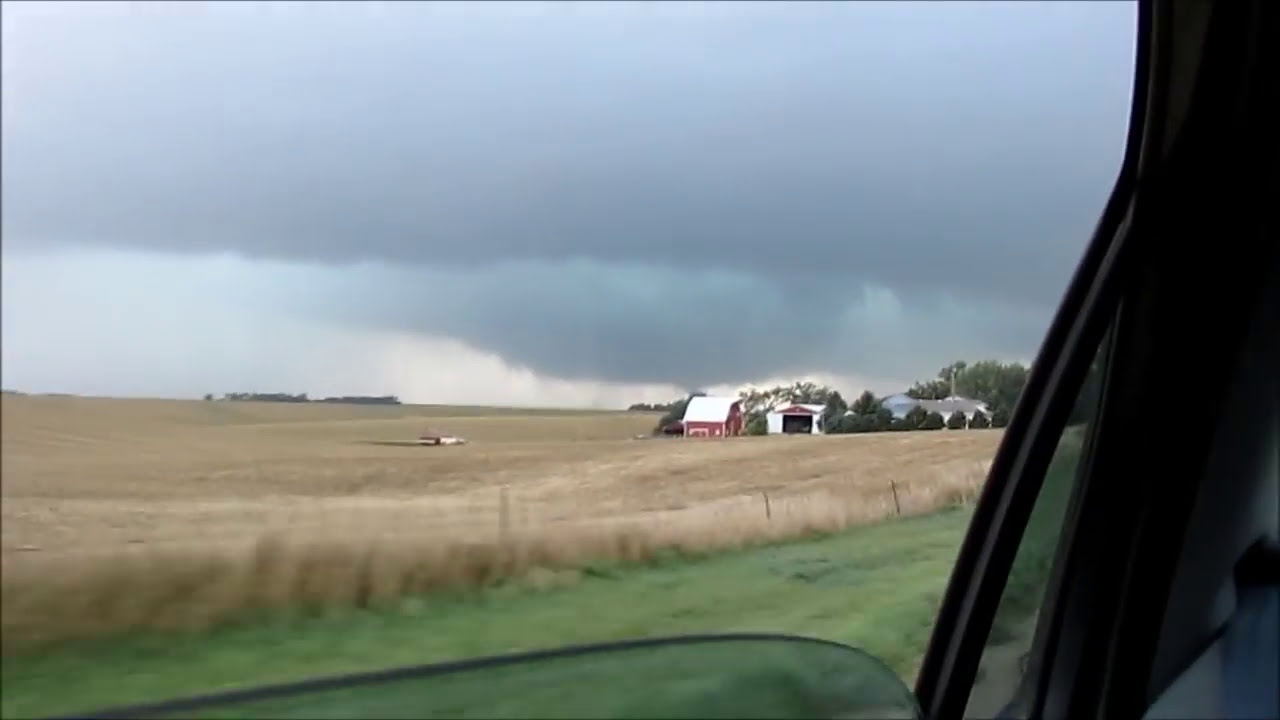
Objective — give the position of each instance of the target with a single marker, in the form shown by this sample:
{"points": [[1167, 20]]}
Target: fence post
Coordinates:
{"points": [[768, 511], [897, 508], [504, 515]]}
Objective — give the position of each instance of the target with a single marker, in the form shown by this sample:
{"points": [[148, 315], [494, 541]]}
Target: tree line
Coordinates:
{"points": [[867, 414], [997, 385], [652, 407], [303, 398]]}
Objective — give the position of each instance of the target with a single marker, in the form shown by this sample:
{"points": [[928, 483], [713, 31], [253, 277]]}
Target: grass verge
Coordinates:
{"points": [[875, 587]]}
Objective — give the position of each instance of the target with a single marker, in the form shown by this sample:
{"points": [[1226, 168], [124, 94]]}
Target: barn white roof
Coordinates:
{"points": [[815, 409], [708, 409]]}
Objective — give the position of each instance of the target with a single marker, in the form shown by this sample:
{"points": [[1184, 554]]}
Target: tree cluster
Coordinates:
{"points": [[865, 414], [997, 384], [801, 392], [674, 412], [757, 402]]}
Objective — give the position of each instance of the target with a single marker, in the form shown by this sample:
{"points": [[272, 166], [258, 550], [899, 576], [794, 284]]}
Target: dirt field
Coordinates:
{"points": [[149, 481]]}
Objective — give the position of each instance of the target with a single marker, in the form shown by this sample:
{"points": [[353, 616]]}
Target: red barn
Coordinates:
{"points": [[713, 417]]}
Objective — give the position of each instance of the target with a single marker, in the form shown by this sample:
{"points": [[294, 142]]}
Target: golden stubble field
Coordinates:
{"points": [[121, 514]]}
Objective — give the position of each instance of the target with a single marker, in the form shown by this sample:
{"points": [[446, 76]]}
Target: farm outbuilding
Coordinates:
{"points": [[798, 419], [900, 405], [713, 417]]}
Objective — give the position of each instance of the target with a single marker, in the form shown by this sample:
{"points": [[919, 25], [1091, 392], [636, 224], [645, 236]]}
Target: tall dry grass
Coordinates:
{"points": [[82, 597]]}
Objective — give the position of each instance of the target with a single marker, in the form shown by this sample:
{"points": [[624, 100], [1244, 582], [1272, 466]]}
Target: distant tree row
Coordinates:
{"points": [[868, 414], [361, 400], [263, 397], [303, 398], [652, 407], [997, 385]]}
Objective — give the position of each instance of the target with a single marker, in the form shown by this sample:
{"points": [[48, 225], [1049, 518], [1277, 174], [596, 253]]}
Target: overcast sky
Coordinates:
{"points": [[544, 204]]}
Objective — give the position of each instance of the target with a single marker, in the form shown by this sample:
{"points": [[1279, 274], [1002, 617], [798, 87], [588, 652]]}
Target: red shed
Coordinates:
{"points": [[713, 417]]}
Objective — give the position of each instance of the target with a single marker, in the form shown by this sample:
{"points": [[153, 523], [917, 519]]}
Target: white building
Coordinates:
{"points": [[798, 419], [900, 405]]}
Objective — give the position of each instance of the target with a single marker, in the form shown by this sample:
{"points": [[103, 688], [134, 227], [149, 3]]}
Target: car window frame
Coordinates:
{"points": [[1094, 644], [1089, 308]]}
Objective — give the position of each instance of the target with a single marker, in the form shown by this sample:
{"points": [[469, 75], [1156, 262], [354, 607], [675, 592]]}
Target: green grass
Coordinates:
{"points": [[744, 677], [876, 588]]}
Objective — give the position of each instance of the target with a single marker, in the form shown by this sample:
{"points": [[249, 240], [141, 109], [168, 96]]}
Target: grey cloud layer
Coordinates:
{"points": [[721, 151], [650, 324]]}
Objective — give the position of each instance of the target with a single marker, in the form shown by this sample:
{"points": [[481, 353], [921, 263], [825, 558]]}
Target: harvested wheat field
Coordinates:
{"points": [[207, 509]]}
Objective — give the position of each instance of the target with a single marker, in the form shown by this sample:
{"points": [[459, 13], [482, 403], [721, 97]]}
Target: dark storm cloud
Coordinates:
{"points": [[652, 324], [823, 147]]}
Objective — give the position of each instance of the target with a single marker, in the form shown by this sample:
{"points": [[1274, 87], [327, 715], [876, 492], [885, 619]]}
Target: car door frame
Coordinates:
{"points": [[1199, 73]]}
